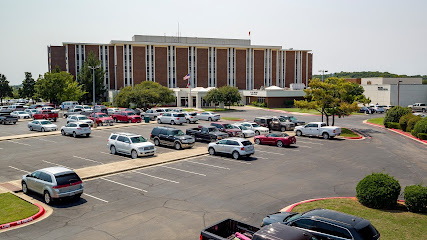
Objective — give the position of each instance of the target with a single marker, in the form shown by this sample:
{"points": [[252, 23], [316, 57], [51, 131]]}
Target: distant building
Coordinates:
{"points": [[211, 62], [384, 91]]}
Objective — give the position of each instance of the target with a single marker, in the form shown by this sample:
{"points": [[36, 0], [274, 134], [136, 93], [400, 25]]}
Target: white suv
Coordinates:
{"points": [[172, 118], [235, 146], [130, 144]]}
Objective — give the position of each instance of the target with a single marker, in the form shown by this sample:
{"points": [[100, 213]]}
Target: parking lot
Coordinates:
{"points": [[177, 200]]}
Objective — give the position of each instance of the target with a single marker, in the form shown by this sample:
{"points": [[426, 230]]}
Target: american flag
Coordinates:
{"points": [[186, 77]]}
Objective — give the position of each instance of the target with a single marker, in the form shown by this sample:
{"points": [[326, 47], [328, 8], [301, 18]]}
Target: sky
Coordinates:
{"points": [[344, 35]]}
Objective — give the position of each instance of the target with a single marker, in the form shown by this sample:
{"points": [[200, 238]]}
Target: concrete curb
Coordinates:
{"points": [[290, 207], [360, 137], [293, 113], [396, 131], [40, 213]]}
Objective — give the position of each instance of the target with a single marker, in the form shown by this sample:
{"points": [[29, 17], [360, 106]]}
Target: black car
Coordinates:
{"points": [[8, 119], [171, 137], [327, 224], [367, 110]]}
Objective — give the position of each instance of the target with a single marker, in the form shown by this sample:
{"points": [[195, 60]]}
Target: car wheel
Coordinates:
{"points": [[87, 134], [211, 151], [257, 141], [65, 116], [156, 142], [325, 135], [74, 134], [115, 119], [209, 119], [236, 155], [130, 121], [43, 130], [172, 122], [47, 199], [178, 146], [159, 121], [54, 119], [113, 150], [100, 124], [63, 132], [111, 124], [188, 121], [283, 129], [257, 132], [424, 110], [299, 133], [24, 188], [279, 144], [31, 128], [134, 154]]}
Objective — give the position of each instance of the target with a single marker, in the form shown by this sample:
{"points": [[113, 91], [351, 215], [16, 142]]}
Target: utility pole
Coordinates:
{"points": [[93, 90], [323, 73], [398, 92]]}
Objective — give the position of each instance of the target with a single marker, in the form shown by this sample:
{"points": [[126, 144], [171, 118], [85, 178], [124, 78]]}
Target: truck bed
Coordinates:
{"points": [[226, 229]]}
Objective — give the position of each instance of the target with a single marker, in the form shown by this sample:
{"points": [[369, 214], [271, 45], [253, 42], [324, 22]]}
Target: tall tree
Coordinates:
{"points": [[214, 96], [5, 89], [85, 78], [230, 94], [27, 90]]}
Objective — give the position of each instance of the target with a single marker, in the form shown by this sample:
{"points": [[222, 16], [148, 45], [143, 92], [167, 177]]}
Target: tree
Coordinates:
{"points": [[85, 78], [5, 89], [214, 96], [230, 95], [27, 90]]}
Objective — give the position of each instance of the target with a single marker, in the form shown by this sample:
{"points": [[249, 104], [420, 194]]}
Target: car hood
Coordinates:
{"points": [[299, 127], [105, 118], [218, 133], [185, 137], [248, 131], [143, 144], [233, 130], [261, 128]]}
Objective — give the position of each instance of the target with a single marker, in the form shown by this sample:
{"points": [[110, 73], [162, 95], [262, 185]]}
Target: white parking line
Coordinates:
{"points": [[309, 142], [142, 190], [209, 165], [235, 161], [105, 153], [95, 197], [164, 179], [55, 164], [88, 159], [272, 152], [184, 170], [304, 146], [260, 157], [19, 143], [41, 139], [19, 169]]}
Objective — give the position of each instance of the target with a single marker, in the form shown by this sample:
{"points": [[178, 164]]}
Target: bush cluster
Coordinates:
{"points": [[259, 104], [395, 113], [412, 122], [378, 190], [403, 121], [416, 198], [422, 136], [394, 125], [420, 127]]}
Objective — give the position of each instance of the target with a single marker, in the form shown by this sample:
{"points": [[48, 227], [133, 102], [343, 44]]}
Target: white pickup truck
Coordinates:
{"points": [[418, 107], [319, 129]]}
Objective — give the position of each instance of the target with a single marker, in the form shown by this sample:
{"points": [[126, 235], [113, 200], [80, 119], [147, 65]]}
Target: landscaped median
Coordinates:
{"points": [[392, 224], [16, 211], [350, 134]]}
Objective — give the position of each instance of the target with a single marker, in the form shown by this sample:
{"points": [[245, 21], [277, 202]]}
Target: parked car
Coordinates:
{"points": [[8, 119], [318, 129], [30, 112], [126, 116], [42, 126], [35, 106], [387, 107], [378, 109], [130, 144], [171, 118], [153, 113], [367, 110], [423, 115], [79, 118], [232, 229], [247, 133], [16, 107], [45, 114], [278, 139], [228, 128], [4, 110], [166, 109], [111, 111], [191, 117], [101, 119], [275, 123], [294, 120], [100, 109], [418, 107], [20, 114], [53, 183], [171, 137], [177, 110], [75, 111], [327, 224], [52, 109], [76, 129], [68, 105], [84, 108], [135, 110], [256, 128], [237, 147], [209, 133], [209, 116], [49, 105]]}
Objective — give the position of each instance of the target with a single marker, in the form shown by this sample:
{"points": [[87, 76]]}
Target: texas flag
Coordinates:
{"points": [[187, 77]]}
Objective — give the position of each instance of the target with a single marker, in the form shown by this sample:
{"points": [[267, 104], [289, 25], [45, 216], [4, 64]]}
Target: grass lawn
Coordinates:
{"points": [[348, 133], [230, 118], [392, 224], [12, 208], [189, 109], [311, 111], [377, 121], [218, 109]]}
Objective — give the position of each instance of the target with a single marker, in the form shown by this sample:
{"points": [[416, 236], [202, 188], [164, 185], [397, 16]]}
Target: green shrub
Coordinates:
{"points": [[395, 113], [416, 198], [403, 121], [378, 190], [259, 104], [107, 104], [422, 136], [420, 127], [394, 125], [412, 122]]}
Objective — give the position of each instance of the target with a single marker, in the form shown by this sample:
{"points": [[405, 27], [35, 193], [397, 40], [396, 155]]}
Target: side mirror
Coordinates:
{"points": [[217, 142], [28, 175]]}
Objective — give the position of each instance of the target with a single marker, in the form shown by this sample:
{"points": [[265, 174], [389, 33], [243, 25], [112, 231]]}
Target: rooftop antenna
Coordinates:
{"points": [[178, 31]]}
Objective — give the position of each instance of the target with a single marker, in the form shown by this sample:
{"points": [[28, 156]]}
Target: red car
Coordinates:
{"points": [[45, 114], [101, 119], [278, 139], [126, 116]]}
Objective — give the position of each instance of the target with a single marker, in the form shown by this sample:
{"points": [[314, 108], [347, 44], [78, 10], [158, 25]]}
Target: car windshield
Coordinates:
{"points": [[83, 118], [21, 112], [212, 129], [139, 139], [243, 127], [192, 114], [255, 125], [45, 122], [296, 216], [246, 143], [87, 107], [177, 133], [130, 113], [282, 119], [282, 134], [102, 115], [228, 126], [67, 179], [292, 118]]}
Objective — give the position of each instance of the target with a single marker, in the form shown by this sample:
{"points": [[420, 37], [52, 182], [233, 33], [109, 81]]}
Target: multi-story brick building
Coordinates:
{"points": [[211, 62]]}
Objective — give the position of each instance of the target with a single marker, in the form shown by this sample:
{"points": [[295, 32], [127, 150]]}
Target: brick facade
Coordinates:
{"points": [[139, 64], [241, 69], [310, 66], [290, 68], [111, 67], [273, 67], [304, 67], [161, 65], [202, 67], [57, 57], [92, 48], [120, 69], [72, 60], [258, 69], [221, 67], [181, 66]]}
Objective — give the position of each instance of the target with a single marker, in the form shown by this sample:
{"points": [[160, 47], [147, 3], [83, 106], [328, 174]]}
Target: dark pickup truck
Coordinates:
{"points": [[8, 119], [210, 133], [231, 229]]}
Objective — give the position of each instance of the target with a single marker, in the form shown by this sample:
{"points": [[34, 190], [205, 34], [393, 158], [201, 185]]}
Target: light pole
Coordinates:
{"points": [[323, 73], [398, 92], [93, 91]]}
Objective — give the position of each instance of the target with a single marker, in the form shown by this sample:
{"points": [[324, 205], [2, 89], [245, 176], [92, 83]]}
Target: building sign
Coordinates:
{"points": [[254, 93], [382, 89]]}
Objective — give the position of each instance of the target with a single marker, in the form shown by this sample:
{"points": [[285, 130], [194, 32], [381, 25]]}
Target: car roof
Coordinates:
{"points": [[56, 170], [79, 115], [237, 139], [282, 231], [125, 134], [336, 217]]}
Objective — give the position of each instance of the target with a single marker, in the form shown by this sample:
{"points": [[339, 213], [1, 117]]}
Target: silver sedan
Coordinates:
{"points": [[42, 125], [76, 129]]}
